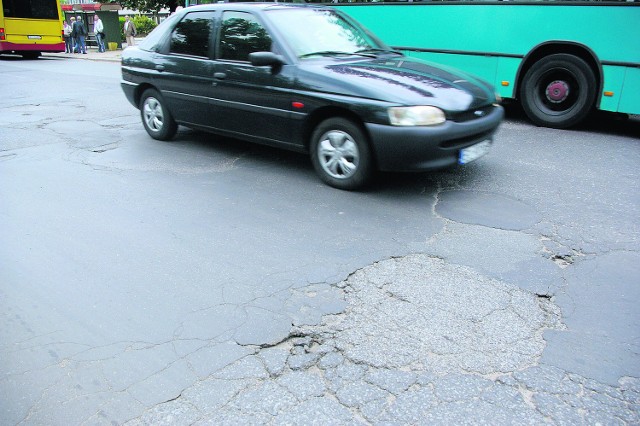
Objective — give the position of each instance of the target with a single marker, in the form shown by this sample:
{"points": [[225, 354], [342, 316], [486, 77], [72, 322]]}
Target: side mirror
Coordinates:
{"points": [[266, 59]]}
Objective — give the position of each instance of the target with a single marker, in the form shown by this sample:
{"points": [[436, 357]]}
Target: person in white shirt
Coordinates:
{"points": [[68, 41], [98, 29]]}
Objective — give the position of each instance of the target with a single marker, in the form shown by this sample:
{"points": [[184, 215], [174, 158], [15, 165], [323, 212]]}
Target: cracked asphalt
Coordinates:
{"points": [[209, 281]]}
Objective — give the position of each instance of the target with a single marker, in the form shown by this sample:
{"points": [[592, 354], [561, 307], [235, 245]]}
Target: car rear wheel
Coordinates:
{"points": [[340, 154], [558, 91], [156, 118]]}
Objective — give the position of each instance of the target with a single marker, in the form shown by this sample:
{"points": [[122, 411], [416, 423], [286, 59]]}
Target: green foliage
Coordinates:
{"points": [[122, 37], [144, 25], [151, 5]]}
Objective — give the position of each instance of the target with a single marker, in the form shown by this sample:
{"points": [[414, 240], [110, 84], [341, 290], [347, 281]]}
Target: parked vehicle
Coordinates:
{"points": [[309, 79], [556, 58], [30, 27]]}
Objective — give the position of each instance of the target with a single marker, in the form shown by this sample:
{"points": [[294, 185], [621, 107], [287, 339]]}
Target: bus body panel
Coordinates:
{"points": [[32, 34], [491, 40], [506, 74], [613, 81], [503, 29], [630, 99]]}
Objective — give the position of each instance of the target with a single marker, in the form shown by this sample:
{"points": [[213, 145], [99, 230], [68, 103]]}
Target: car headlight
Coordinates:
{"points": [[416, 116]]}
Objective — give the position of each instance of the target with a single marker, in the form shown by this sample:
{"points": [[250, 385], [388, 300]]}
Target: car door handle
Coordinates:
{"points": [[160, 68], [219, 76]]}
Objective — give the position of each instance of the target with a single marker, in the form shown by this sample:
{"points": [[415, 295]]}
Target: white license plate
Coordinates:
{"points": [[34, 37], [474, 152]]}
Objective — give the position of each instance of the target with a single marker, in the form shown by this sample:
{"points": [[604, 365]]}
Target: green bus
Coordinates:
{"points": [[559, 59]]}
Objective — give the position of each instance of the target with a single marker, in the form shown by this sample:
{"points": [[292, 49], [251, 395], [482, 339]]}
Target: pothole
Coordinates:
{"points": [[104, 148], [442, 318], [562, 261]]}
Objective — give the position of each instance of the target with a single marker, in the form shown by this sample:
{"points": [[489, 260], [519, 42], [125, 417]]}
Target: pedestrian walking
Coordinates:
{"points": [[66, 33], [129, 31], [98, 29]]}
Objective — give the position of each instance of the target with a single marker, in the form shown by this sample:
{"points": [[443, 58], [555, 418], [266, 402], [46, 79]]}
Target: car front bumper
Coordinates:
{"points": [[424, 148]]}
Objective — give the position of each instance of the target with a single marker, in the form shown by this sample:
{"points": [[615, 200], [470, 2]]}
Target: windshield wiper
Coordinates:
{"points": [[336, 53], [378, 50]]}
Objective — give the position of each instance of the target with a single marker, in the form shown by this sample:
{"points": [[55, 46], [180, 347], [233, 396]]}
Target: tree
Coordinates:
{"points": [[150, 5]]}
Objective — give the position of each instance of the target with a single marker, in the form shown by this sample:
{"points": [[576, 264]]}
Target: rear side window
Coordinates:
{"points": [[156, 39], [192, 35], [241, 34]]}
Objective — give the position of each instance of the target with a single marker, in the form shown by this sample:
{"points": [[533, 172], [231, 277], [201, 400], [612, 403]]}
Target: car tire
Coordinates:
{"points": [[156, 118], [558, 91], [340, 154]]}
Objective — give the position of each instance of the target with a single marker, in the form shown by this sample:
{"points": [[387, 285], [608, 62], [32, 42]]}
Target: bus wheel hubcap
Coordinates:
{"points": [[557, 91]]}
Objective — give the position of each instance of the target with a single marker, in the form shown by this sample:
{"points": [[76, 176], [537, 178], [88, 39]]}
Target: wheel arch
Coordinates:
{"points": [[137, 94], [567, 47], [321, 114]]}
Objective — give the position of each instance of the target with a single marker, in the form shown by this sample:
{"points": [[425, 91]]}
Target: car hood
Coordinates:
{"points": [[401, 81]]}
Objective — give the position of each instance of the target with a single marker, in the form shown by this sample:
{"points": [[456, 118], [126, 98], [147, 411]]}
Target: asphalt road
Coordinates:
{"points": [[211, 281]]}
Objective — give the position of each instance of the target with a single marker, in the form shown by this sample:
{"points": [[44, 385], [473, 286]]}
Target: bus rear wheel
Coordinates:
{"points": [[31, 55], [558, 91]]}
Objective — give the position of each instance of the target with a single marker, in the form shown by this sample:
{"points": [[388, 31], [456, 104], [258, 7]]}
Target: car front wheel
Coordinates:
{"points": [[156, 118], [340, 154]]}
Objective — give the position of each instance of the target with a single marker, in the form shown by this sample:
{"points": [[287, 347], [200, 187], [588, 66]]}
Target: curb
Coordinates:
{"points": [[108, 56]]}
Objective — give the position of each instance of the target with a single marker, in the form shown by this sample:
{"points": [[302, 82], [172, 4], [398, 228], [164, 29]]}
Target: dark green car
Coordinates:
{"points": [[308, 79]]}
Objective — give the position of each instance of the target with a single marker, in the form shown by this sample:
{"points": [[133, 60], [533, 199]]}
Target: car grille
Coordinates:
{"points": [[472, 114]]}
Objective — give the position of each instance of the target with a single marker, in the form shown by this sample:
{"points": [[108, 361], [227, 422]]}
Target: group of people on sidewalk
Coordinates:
{"points": [[75, 34]]}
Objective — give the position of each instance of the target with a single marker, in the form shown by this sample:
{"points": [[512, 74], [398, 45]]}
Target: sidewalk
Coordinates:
{"points": [[92, 54]]}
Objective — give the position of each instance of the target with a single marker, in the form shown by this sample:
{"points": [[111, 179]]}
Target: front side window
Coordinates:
{"points": [[241, 34], [192, 35]]}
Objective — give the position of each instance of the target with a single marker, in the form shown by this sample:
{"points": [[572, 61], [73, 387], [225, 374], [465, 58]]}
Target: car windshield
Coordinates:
{"points": [[320, 32]]}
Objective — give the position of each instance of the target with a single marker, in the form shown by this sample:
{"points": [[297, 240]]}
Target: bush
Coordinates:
{"points": [[144, 25]]}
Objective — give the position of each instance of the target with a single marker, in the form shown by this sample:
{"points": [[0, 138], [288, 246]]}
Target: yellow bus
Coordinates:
{"points": [[30, 27]]}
